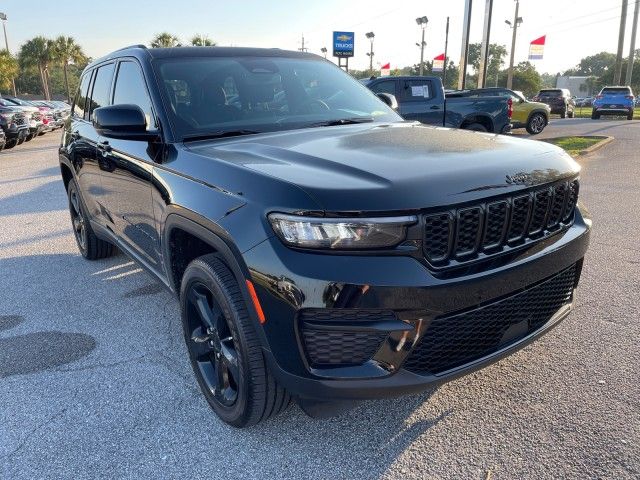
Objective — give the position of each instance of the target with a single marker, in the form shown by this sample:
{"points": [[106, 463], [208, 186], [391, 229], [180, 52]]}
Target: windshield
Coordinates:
{"points": [[211, 95]]}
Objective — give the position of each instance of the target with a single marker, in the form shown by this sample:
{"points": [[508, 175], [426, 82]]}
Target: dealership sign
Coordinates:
{"points": [[343, 44], [438, 63], [536, 49]]}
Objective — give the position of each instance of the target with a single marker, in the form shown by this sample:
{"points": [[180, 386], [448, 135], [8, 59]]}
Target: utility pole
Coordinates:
{"points": [[623, 21], [632, 48], [422, 22], [516, 22], [302, 48], [446, 45], [484, 49], [370, 36], [3, 17], [464, 54]]}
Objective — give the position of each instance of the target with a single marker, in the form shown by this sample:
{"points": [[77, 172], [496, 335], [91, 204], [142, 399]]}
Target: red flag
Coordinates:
{"points": [[386, 66]]}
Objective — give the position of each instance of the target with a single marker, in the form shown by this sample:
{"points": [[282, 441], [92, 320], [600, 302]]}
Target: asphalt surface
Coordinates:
{"points": [[95, 381]]}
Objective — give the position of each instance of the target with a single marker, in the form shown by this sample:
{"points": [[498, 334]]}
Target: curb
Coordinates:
{"points": [[606, 140]]}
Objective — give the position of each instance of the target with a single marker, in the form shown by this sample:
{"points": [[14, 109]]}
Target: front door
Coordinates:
{"points": [[418, 101], [127, 171]]}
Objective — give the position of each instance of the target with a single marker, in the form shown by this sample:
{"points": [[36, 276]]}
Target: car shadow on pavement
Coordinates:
{"points": [[46, 197]]}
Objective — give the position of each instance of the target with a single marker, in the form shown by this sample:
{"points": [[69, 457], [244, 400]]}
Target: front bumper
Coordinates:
{"points": [[290, 283]]}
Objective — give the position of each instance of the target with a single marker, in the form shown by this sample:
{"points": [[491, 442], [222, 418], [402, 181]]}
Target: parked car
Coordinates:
{"points": [[534, 116], [423, 99], [58, 113], [15, 125], [614, 101], [326, 251], [34, 116], [3, 139], [584, 102], [558, 99]]}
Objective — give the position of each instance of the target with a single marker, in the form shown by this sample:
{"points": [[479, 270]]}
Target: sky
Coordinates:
{"points": [[574, 28]]}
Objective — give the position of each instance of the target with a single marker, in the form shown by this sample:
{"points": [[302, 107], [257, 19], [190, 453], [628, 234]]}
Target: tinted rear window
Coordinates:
{"points": [[616, 91], [550, 93]]}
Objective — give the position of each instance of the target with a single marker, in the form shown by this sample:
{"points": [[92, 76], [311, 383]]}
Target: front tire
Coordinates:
{"points": [[224, 349], [571, 114], [536, 123], [91, 247]]}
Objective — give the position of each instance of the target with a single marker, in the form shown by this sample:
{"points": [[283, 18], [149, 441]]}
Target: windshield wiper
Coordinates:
{"points": [[218, 134], [342, 121]]}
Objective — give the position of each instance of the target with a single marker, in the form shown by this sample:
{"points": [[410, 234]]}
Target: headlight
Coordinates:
{"points": [[340, 233]]}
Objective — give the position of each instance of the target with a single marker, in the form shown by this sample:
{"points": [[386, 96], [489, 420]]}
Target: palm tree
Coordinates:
{"points": [[164, 40], [199, 40], [66, 51], [37, 52]]}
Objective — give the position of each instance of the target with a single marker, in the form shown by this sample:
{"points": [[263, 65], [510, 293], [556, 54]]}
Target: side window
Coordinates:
{"points": [[101, 88], [81, 96], [385, 86], [417, 90], [130, 88]]}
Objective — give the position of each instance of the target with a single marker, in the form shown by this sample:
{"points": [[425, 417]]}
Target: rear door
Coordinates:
{"points": [[128, 168], [419, 101], [82, 140]]}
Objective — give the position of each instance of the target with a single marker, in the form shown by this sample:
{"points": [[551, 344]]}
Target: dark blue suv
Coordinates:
{"points": [[614, 101]]}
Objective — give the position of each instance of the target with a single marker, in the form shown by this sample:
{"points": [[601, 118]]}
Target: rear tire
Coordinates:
{"points": [[564, 113], [536, 123], [476, 127], [29, 137], [224, 349], [630, 115], [595, 116], [91, 247], [10, 144], [570, 114]]}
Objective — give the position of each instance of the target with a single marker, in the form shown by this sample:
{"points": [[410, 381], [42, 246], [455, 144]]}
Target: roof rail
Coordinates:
{"points": [[139, 45]]}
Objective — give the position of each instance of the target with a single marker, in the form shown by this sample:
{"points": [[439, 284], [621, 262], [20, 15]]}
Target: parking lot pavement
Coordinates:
{"points": [[95, 381]]}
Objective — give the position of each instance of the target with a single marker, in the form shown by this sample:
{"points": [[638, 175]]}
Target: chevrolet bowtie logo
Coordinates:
{"points": [[343, 37]]}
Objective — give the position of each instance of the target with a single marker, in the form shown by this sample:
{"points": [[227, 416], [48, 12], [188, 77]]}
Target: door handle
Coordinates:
{"points": [[434, 107]]}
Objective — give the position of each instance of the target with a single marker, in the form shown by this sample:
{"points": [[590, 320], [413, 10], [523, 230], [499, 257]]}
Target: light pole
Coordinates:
{"points": [[517, 21], [618, 66], [3, 17], [324, 51], [370, 36], [446, 46], [422, 22]]}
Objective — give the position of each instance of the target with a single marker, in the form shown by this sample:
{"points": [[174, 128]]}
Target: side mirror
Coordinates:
{"points": [[389, 99], [125, 122]]}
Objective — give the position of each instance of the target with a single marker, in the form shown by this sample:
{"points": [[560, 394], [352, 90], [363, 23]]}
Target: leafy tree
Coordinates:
{"points": [[164, 40], [199, 40], [594, 65], [525, 78], [66, 51], [548, 80], [497, 55], [37, 52], [8, 70]]}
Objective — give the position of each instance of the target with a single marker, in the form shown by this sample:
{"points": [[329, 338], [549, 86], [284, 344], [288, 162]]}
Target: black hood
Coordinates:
{"points": [[395, 167]]}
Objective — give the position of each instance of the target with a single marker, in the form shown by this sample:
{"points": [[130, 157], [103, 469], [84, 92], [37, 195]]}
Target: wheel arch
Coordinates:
{"points": [[484, 120], [217, 241]]}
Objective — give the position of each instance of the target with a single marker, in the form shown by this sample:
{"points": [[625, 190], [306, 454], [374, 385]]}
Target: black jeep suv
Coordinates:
{"points": [[322, 248]]}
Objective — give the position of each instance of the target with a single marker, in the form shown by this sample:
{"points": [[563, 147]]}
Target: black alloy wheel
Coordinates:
{"points": [[224, 348], [77, 220], [91, 247], [211, 345]]}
